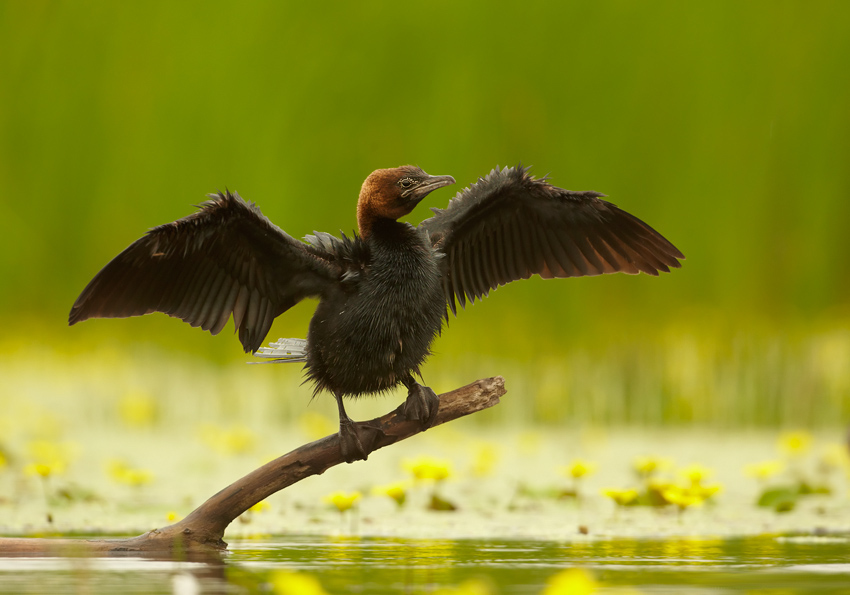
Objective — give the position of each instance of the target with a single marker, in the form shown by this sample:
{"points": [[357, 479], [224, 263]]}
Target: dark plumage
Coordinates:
{"points": [[383, 293]]}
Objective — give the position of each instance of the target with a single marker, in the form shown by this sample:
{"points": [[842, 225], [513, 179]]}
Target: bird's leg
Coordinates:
{"points": [[421, 404], [350, 444]]}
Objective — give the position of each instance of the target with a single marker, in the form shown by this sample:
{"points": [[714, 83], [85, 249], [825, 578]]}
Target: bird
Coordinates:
{"points": [[386, 291]]}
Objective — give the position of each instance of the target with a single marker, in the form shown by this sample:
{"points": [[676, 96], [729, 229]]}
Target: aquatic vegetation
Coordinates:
{"points": [[793, 481], [430, 469]]}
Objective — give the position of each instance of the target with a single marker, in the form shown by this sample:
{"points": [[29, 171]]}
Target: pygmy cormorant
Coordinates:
{"points": [[384, 292]]}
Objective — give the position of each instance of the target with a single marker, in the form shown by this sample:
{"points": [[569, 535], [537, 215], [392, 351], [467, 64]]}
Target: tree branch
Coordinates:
{"points": [[202, 531]]}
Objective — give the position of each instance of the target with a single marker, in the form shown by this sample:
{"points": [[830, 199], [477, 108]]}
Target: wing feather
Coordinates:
{"points": [[509, 226], [225, 259]]}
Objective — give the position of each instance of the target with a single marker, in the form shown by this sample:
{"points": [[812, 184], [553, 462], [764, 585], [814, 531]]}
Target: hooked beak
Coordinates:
{"points": [[430, 184]]}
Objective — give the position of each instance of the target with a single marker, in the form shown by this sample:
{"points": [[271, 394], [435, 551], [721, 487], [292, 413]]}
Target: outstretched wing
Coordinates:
{"points": [[226, 258], [510, 226]]}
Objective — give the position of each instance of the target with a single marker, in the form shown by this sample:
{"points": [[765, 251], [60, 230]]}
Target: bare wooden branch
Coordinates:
{"points": [[202, 531]]}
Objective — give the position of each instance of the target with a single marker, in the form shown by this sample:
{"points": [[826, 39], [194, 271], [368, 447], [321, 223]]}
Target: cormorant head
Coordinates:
{"points": [[393, 193]]}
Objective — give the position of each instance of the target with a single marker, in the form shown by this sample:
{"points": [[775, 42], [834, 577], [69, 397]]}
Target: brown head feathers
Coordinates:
{"points": [[393, 193]]}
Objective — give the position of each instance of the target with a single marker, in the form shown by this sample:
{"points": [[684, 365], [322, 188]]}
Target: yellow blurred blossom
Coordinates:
{"points": [[235, 440], [172, 516], [397, 491], [696, 473], [579, 468], [316, 425], [49, 458], [138, 409], [260, 506], [3, 461], [484, 459], [572, 581], [428, 468], [682, 497], [764, 470], [286, 582], [42, 469], [121, 472], [342, 500], [648, 466], [795, 443], [621, 497], [833, 457], [471, 587]]}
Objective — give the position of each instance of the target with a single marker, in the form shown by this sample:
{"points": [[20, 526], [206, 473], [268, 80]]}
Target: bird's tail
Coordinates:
{"points": [[283, 351]]}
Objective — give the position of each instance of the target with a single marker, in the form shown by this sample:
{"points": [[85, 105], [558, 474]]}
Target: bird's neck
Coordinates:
{"points": [[366, 217], [373, 214]]}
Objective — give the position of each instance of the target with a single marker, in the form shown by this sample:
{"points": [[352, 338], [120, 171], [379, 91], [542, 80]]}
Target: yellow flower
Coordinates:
{"points": [[121, 472], [3, 461], [428, 468], [342, 500], [687, 496], [621, 497], [50, 458], [260, 506], [286, 582], [579, 468], [696, 473], [172, 516], [235, 440], [42, 469], [397, 491], [764, 470], [572, 581], [648, 466], [138, 409], [486, 455], [681, 497], [833, 457], [795, 443]]}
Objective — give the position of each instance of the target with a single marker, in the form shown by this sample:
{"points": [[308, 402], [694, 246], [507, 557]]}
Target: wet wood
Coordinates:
{"points": [[201, 533]]}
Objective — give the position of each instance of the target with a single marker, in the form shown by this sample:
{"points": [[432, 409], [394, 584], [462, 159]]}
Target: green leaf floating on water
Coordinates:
{"points": [[781, 499]]}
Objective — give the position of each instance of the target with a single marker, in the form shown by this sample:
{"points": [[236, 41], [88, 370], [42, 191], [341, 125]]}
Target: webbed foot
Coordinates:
{"points": [[356, 440], [421, 405]]}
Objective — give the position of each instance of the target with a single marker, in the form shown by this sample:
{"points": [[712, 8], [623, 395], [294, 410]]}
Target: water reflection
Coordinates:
{"points": [[765, 564], [693, 565]]}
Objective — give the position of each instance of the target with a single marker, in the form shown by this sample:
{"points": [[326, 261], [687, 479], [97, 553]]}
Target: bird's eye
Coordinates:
{"points": [[406, 183]]}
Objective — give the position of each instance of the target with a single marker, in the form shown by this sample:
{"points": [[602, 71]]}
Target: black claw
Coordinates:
{"points": [[421, 405]]}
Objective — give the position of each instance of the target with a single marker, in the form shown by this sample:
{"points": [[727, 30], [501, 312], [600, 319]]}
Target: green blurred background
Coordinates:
{"points": [[724, 124]]}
